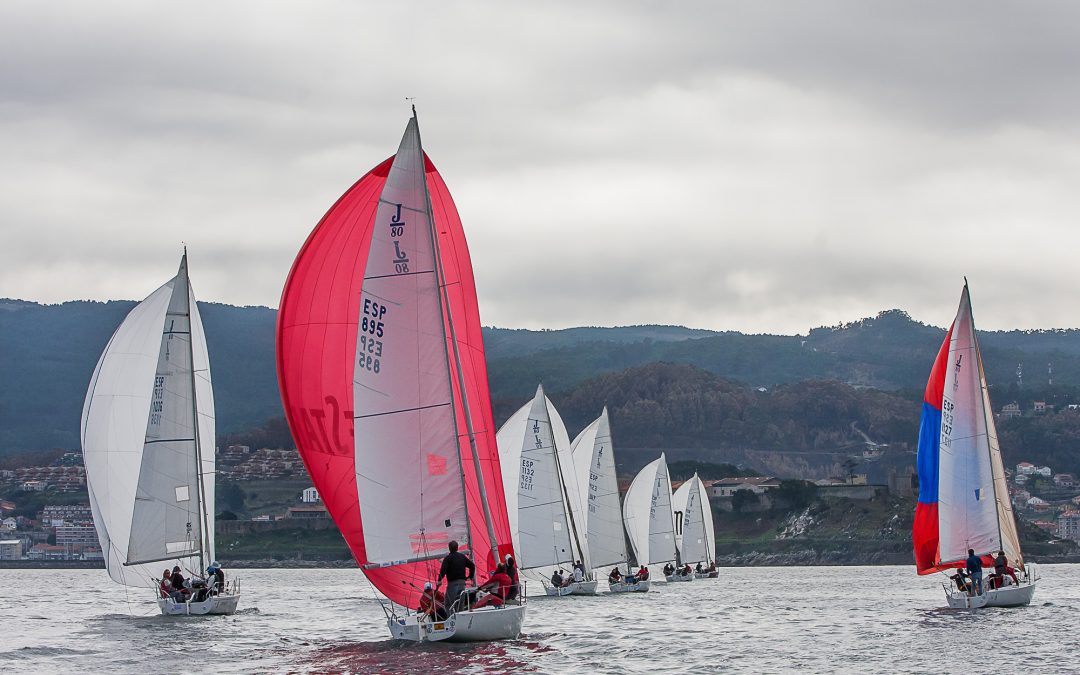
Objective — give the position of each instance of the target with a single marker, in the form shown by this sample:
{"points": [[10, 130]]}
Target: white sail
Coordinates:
{"points": [[648, 516], [543, 528], [405, 431], [691, 536], [139, 439], [974, 508], [594, 459]]}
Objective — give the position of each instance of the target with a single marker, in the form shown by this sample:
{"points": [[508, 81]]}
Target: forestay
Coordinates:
{"points": [[594, 459]]}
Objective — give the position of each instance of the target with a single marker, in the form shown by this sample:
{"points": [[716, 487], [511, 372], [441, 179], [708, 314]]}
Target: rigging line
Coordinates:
{"points": [[394, 412]]}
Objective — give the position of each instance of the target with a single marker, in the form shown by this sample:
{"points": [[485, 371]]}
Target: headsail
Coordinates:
{"points": [[963, 498], [141, 442], [320, 321], [648, 515], [693, 522], [594, 457]]}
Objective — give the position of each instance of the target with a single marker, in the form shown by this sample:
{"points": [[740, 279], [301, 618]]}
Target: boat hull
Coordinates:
{"points": [[679, 577], [475, 625], [1008, 596], [218, 604], [575, 588], [715, 574], [622, 587]]}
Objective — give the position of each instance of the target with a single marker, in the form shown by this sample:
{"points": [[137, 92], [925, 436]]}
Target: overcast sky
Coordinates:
{"points": [[756, 166]]}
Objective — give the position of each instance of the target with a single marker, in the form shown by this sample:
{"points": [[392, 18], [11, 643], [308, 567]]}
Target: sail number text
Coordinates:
{"points": [[372, 328], [157, 404], [947, 408], [527, 472]]}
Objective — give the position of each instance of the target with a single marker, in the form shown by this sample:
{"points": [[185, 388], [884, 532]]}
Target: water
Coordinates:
{"points": [[761, 620]]}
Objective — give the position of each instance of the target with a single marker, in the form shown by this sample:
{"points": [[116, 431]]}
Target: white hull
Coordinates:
{"points": [[715, 574], [474, 625], [679, 577], [575, 588], [217, 604], [638, 587], [1008, 596]]}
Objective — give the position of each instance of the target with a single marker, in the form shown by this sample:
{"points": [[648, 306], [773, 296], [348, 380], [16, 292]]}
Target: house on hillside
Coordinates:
{"points": [[1010, 410], [727, 487], [310, 496], [1064, 480], [1039, 407], [312, 512], [11, 549], [1025, 469], [1044, 471]]}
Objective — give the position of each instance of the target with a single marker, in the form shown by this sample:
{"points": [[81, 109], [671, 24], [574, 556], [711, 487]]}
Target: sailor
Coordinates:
{"points": [[699, 569], [165, 587], [975, 569], [579, 573], [217, 583], [497, 588], [177, 580], [643, 573], [615, 576], [556, 579], [432, 603], [669, 569], [512, 572], [458, 569]]}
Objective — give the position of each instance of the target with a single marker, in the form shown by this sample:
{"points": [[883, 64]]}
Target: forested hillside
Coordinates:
{"points": [[765, 393]]}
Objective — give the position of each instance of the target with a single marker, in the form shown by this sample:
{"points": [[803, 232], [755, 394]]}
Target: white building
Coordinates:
{"points": [[310, 496], [1069, 525], [1025, 469], [1044, 471], [727, 487], [11, 549]]}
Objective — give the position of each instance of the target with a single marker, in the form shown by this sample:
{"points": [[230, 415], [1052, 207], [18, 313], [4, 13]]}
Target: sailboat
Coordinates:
{"points": [[543, 497], [695, 538], [647, 513], [594, 457], [963, 498], [384, 383], [148, 445]]}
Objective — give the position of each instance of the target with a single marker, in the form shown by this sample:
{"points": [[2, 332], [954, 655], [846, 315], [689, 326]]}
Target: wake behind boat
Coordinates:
{"points": [[384, 384], [964, 518], [148, 445]]}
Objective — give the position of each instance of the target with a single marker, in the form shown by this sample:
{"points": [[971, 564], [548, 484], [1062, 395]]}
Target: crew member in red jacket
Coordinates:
{"points": [[498, 586], [432, 603]]}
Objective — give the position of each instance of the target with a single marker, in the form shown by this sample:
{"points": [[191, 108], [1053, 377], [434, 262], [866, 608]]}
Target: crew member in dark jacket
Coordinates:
{"points": [[457, 569], [975, 569]]}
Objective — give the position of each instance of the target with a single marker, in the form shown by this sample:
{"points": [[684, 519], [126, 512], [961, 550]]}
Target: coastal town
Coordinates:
{"points": [[45, 513]]}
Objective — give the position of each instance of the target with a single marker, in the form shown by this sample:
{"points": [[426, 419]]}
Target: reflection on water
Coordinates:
{"points": [[760, 620]]}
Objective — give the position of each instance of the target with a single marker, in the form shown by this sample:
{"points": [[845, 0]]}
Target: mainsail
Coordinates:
{"points": [[648, 516], [147, 418], [693, 522], [377, 314], [542, 492], [963, 498], [594, 458]]}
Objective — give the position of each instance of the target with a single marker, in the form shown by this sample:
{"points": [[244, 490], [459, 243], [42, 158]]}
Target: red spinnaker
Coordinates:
{"points": [[316, 343]]}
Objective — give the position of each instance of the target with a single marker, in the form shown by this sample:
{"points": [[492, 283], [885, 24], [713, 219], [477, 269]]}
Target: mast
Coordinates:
{"points": [[204, 528], [566, 495], [449, 320], [983, 395]]}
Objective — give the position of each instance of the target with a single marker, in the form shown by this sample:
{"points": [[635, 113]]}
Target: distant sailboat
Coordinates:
{"points": [[647, 513], [543, 496], [694, 534], [963, 498], [384, 383], [594, 457], [148, 445]]}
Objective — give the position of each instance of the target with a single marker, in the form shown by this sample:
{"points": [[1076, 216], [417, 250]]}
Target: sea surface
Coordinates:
{"points": [[755, 620]]}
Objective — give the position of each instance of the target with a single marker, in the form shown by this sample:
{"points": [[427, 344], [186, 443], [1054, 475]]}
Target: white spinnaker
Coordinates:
{"points": [[113, 434], [405, 431], [543, 521], [967, 510], [167, 520], [974, 509], [648, 516], [690, 535], [594, 458]]}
